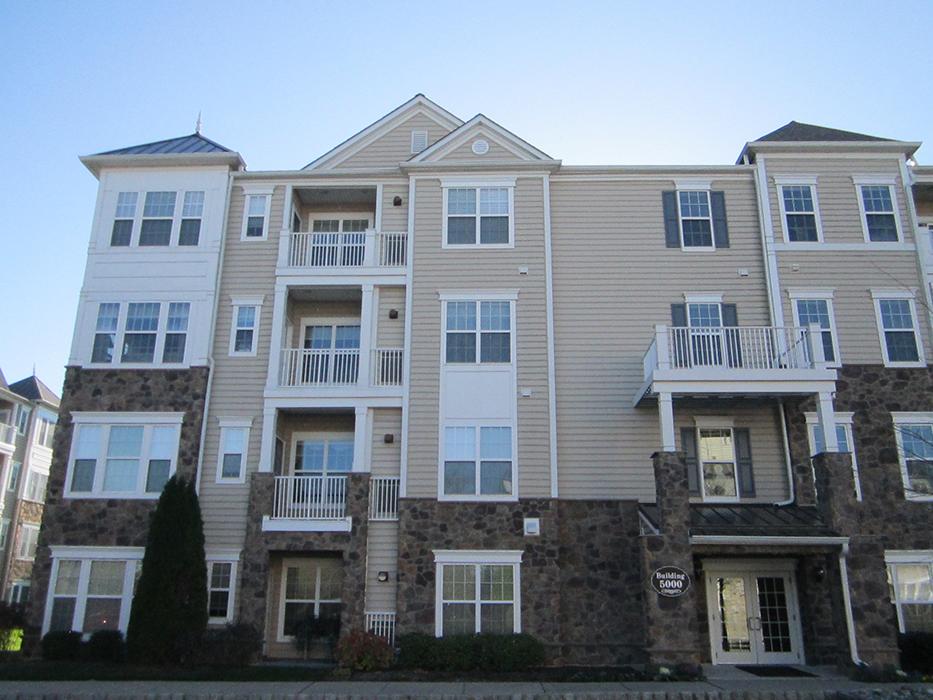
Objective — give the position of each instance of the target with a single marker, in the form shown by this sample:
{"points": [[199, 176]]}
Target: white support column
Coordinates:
{"points": [[815, 338], [367, 309], [666, 416], [361, 440], [827, 416], [285, 240], [267, 439], [277, 342]]}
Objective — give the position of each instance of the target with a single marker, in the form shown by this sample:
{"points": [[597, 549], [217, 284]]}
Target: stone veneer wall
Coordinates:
{"points": [[260, 546], [111, 522], [580, 578]]}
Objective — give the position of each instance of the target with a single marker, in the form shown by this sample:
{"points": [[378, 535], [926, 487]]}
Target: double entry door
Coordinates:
{"points": [[754, 617]]}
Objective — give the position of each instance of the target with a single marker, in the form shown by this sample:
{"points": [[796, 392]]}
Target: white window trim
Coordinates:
{"points": [[890, 183], [18, 541], [248, 192], [160, 332], [237, 303], [107, 420], [444, 557], [703, 297], [708, 424], [909, 295], [899, 419], [822, 294], [478, 425], [86, 555], [803, 181], [454, 183], [846, 420], [700, 187], [236, 424], [714, 422], [921, 557], [478, 299], [231, 557]]}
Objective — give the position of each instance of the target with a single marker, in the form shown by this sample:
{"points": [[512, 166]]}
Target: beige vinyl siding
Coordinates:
{"points": [[764, 428], [238, 382], [390, 332], [381, 555], [394, 218], [386, 458], [852, 276], [837, 193], [465, 152], [393, 147], [436, 269], [614, 279]]}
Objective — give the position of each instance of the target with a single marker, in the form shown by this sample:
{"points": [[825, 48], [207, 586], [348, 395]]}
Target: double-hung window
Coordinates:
{"points": [[28, 540], [914, 435], [22, 418], [4, 532], [36, 483], [910, 574], [191, 212], [176, 332], [122, 232], [45, 428], [800, 215], [221, 576], [91, 594], [478, 462], [105, 332], [139, 337], [696, 222], [477, 592], [234, 443], [844, 439], [19, 592], [478, 216], [158, 216], [478, 331], [879, 218], [256, 217], [816, 308], [244, 330], [898, 328], [122, 455], [13, 482], [718, 464]]}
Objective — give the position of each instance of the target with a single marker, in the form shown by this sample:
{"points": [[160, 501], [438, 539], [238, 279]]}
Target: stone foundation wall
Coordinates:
{"points": [[111, 522]]}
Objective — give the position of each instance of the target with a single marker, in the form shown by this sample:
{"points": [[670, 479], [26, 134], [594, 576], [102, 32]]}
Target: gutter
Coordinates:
{"points": [[847, 604]]}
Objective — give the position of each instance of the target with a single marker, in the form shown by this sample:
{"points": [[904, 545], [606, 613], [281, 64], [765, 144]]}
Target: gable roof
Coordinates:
{"points": [[521, 148], [417, 104], [798, 131], [34, 389], [193, 143]]}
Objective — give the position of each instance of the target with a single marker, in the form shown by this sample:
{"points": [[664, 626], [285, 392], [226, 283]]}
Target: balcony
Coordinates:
{"points": [[7, 438], [741, 360], [308, 503], [300, 367], [342, 252]]}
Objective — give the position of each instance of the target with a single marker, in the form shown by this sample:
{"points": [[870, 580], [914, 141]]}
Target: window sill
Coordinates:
{"points": [[899, 365], [478, 499], [113, 496], [477, 246]]}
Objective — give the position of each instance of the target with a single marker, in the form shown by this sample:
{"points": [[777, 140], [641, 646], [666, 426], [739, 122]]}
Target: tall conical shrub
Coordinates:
{"points": [[169, 613]]}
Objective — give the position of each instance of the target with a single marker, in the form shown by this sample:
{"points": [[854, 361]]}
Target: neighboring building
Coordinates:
{"points": [[438, 381], [28, 414]]}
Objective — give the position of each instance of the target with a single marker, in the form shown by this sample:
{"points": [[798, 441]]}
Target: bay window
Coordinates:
{"points": [[145, 331]]}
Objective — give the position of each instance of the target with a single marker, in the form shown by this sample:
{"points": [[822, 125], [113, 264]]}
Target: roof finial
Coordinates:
{"points": [[33, 369], [197, 126]]}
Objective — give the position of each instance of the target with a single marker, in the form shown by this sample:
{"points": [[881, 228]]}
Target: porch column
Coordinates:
{"points": [[361, 440], [666, 416], [827, 415], [366, 335], [267, 439], [277, 341]]}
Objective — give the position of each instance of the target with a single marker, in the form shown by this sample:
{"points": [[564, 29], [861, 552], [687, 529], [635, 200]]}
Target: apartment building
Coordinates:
{"points": [[28, 415], [438, 381]]}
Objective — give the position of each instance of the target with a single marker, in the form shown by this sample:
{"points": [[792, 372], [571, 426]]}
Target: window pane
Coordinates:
{"points": [[797, 198], [920, 476], [257, 205], [494, 201], [190, 232], [63, 612], [495, 316], [460, 443], [139, 347], [158, 475], [296, 615], [101, 614], [495, 347], [159, 204], [895, 313], [231, 466], [326, 226], [459, 582], [103, 348], [495, 443], [178, 316], [347, 337], [217, 603], [704, 315], [918, 618], [174, 348], [810, 311], [459, 618], [243, 341], [255, 226], [459, 478], [67, 581], [461, 316], [881, 227], [106, 578], [194, 204], [877, 198], [340, 456], [719, 479], [902, 346], [355, 225], [125, 441], [220, 574], [245, 316], [331, 579], [494, 229], [126, 205], [495, 478], [142, 317], [461, 201], [461, 347], [914, 583], [155, 232], [107, 315], [495, 582], [697, 233], [801, 227], [694, 204], [461, 230], [309, 455], [497, 619], [82, 480], [120, 474], [122, 232]]}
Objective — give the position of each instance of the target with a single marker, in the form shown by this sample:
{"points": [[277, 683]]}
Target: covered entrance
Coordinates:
{"points": [[754, 615]]}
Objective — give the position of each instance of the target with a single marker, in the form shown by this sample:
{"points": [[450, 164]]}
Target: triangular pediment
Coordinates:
{"points": [[480, 139]]}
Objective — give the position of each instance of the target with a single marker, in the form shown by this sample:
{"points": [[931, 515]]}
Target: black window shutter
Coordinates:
{"points": [[743, 456], [671, 222], [720, 228], [688, 442], [730, 319], [679, 315], [730, 315]]}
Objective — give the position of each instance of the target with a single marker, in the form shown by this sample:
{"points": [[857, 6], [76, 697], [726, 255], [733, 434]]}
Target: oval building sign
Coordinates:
{"points": [[670, 581]]}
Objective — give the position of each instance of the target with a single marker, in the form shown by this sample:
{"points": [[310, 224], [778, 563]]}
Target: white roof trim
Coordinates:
{"points": [[461, 135], [419, 104]]}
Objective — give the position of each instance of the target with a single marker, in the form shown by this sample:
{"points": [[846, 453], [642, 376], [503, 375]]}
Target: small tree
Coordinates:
{"points": [[169, 614]]}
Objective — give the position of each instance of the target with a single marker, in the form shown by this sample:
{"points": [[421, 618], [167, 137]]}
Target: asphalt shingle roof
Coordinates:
{"points": [[193, 143], [798, 131], [34, 389]]}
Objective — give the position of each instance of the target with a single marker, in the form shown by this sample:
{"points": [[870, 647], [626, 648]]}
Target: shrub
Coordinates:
{"points": [[916, 651], [480, 652], [233, 645], [61, 646], [12, 622], [107, 646], [364, 651], [169, 613]]}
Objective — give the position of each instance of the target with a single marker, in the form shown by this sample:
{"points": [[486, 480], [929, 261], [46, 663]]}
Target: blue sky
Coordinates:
{"points": [[282, 82]]}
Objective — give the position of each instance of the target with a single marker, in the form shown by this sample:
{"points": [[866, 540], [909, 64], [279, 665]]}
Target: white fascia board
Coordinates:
{"points": [[95, 164]]}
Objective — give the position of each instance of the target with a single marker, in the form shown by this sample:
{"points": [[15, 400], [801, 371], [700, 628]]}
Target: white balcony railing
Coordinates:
{"points": [[7, 434], [304, 497], [387, 366], [383, 497], [344, 250], [311, 367], [381, 624]]}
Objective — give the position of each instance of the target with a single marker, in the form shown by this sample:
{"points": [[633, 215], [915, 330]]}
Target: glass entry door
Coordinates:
{"points": [[753, 617]]}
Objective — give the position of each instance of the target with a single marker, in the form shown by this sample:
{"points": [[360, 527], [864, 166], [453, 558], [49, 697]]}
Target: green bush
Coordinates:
{"points": [[917, 651], [12, 622], [233, 645], [61, 646], [479, 652], [364, 651], [107, 646]]}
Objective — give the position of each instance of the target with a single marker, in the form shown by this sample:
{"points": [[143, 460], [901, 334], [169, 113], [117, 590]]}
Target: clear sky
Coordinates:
{"points": [[283, 82]]}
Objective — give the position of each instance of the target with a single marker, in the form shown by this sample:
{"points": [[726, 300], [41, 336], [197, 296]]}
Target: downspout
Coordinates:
{"points": [[210, 345], [847, 604], [791, 490]]}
